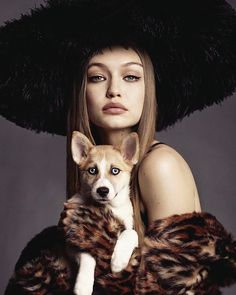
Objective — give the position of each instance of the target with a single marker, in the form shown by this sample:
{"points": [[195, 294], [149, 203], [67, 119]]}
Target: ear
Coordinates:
{"points": [[130, 148], [80, 146]]}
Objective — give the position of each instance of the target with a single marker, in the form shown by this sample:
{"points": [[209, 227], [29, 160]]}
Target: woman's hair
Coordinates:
{"points": [[78, 119]]}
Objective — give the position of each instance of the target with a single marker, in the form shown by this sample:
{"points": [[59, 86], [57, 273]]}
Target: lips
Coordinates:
{"points": [[114, 108]]}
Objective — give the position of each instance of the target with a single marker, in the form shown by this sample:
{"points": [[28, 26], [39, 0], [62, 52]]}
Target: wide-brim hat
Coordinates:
{"points": [[192, 45]]}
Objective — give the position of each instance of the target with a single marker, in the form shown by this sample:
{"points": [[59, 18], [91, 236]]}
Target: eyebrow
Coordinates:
{"points": [[98, 64]]}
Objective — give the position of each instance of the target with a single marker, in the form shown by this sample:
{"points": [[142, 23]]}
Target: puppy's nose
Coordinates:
{"points": [[103, 191]]}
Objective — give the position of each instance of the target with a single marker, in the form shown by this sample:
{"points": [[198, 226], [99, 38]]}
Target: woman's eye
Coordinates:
{"points": [[93, 171], [96, 78], [115, 171], [132, 78]]}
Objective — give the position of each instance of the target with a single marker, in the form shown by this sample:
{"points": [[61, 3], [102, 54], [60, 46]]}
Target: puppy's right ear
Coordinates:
{"points": [[130, 148], [80, 146]]}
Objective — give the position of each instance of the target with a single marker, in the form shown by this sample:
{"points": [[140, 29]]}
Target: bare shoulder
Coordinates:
{"points": [[163, 157], [167, 184]]}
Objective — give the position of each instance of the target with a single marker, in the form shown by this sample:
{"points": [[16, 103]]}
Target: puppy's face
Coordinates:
{"points": [[104, 169], [104, 173]]}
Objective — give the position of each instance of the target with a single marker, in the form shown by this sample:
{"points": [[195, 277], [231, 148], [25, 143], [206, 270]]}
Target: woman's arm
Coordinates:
{"points": [[167, 184]]}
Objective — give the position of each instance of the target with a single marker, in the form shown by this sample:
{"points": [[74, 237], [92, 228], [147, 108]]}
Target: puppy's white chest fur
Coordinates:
{"points": [[124, 213], [106, 171]]}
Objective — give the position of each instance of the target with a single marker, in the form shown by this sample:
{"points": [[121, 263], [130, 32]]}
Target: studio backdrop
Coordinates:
{"points": [[33, 168]]}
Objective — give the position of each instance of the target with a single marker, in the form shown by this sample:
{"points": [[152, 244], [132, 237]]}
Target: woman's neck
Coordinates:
{"points": [[113, 137]]}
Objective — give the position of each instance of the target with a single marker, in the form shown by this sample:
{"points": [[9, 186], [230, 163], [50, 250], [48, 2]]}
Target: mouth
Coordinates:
{"points": [[102, 201], [114, 108]]}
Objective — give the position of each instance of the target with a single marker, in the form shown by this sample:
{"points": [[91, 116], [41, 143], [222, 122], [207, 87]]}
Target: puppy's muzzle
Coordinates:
{"points": [[103, 191]]}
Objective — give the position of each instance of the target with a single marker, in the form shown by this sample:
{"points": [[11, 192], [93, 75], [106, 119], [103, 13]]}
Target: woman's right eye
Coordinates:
{"points": [[96, 78]]}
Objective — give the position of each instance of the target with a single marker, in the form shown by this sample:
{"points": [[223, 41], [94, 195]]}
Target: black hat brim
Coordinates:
{"points": [[192, 45]]}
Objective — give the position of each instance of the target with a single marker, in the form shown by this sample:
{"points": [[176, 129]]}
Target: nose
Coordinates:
{"points": [[113, 89], [103, 191]]}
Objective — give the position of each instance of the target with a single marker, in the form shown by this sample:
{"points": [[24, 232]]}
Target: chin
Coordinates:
{"points": [[118, 123]]}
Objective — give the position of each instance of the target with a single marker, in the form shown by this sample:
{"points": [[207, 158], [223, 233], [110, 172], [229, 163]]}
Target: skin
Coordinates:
{"points": [[115, 76], [166, 181], [167, 184]]}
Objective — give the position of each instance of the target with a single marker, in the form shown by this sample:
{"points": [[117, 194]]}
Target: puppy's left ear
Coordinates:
{"points": [[130, 148]]}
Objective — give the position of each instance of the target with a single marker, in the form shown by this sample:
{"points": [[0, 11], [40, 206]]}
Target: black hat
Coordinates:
{"points": [[192, 45]]}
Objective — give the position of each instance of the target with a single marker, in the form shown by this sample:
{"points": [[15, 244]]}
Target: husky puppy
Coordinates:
{"points": [[105, 172]]}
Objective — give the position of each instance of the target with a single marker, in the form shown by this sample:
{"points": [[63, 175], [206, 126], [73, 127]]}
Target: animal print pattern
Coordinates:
{"points": [[187, 254], [43, 267], [95, 230], [182, 254]]}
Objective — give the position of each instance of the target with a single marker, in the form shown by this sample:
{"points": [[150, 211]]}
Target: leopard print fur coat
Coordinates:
{"points": [[181, 254]]}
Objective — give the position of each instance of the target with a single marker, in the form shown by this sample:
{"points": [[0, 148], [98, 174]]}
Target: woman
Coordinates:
{"points": [[192, 47], [115, 97], [126, 76]]}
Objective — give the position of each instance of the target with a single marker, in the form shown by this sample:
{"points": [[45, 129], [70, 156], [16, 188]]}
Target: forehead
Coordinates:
{"points": [[110, 155], [116, 55]]}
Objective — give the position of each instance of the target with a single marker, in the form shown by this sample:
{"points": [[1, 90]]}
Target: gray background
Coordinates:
{"points": [[33, 166]]}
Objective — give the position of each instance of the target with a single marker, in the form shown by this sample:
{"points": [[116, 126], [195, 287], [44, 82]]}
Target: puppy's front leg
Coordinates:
{"points": [[126, 243], [85, 277]]}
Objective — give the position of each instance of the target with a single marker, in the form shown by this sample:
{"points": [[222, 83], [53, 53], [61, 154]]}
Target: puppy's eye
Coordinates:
{"points": [[115, 171], [93, 170]]}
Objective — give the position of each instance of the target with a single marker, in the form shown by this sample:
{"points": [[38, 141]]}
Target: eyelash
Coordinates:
{"points": [[95, 78], [98, 78], [135, 78]]}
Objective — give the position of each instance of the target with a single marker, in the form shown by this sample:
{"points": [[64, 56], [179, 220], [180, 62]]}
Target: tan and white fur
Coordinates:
{"points": [[105, 173]]}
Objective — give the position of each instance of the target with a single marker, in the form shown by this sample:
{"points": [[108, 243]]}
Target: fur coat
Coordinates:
{"points": [[181, 254]]}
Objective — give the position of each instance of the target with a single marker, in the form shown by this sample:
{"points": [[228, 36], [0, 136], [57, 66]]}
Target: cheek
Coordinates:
{"points": [[95, 91], [120, 180], [137, 102], [137, 94], [90, 98], [140, 104], [93, 104], [89, 179]]}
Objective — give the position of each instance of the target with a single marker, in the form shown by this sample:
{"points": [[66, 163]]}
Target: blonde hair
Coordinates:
{"points": [[78, 119]]}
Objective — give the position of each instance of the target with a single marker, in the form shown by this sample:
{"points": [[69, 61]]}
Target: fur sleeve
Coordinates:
{"points": [[187, 254], [181, 254], [42, 268]]}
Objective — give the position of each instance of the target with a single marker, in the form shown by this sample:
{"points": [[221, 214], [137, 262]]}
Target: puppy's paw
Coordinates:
{"points": [[81, 288], [123, 250], [85, 277], [120, 260]]}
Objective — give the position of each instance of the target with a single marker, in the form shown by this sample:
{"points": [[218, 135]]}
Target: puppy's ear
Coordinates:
{"points": [[130, 148], [80, 146]]}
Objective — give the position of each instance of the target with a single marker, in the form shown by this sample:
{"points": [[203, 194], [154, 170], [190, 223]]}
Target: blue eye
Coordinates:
{"points": [[93, 170], [131, 78], [96, 78], [115, 171]]}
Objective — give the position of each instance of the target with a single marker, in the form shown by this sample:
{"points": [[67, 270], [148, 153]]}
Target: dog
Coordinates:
{"points": [[105, 173]]}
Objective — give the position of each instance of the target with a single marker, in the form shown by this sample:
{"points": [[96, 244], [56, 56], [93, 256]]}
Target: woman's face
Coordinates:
{"points": [[115, 88]]}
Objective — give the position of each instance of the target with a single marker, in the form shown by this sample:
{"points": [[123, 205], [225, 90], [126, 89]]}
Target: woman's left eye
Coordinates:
{"points": [[115, 171], [131, 78]]}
